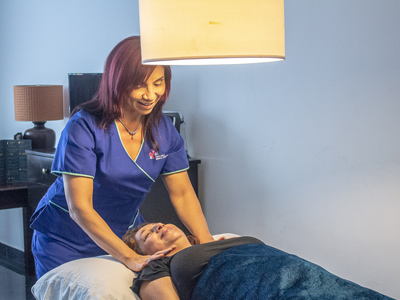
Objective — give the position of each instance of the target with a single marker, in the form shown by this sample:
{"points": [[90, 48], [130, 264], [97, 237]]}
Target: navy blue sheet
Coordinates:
{"points": [[257, 271]]}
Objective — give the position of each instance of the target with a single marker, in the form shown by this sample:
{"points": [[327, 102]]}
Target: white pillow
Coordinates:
{"points": [[95, 278]]}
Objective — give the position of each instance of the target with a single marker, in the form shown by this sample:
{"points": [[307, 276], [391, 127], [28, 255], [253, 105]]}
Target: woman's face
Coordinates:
{"points": [[143, 98], [157, 236]]}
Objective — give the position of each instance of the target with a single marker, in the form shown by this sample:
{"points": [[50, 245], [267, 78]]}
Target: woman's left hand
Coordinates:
{"points": [[159, 254], [140, 261]]}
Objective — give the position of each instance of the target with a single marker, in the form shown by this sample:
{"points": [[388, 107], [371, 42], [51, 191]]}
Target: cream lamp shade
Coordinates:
{"points": [[39, 103], [196, 32]]}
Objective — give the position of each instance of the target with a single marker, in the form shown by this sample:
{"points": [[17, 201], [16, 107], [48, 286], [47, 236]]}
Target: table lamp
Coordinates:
{"points": [[39, 104]]}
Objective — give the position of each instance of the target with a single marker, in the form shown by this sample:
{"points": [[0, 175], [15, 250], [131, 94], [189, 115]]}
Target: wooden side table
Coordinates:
{"points": [[16, 196], [13, 196]]}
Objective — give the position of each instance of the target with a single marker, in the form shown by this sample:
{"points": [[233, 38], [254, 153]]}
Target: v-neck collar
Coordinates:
{"points": [[120, 139]]}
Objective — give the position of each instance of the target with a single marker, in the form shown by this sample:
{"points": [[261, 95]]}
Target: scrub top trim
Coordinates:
{"points": [[141, 145], [134, 220], [140, 150], [178, 171], [58, 173], [55, 204]]}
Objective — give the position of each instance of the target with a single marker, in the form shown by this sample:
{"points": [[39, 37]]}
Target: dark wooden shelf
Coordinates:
{"points": [[13, 196]]}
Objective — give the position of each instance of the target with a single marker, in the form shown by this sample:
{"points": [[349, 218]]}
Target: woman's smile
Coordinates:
{"points": [[164, 231], [145, 97], [147, 105]]}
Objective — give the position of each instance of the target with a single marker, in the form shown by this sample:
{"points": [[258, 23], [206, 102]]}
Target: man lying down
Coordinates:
{"points": [[236, 268]]}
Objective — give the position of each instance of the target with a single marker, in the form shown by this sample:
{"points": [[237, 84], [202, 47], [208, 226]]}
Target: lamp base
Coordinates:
{"points": [[41, 136]]}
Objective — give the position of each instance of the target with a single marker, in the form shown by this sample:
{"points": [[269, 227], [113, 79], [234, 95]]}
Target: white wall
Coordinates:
{"points": [[304, 154]]}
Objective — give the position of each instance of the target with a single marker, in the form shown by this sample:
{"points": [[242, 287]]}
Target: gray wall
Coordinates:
{"points": [[304, 154]]}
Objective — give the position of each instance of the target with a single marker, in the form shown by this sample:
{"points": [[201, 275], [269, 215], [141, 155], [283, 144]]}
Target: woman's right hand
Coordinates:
{"points": [[140, 261]]}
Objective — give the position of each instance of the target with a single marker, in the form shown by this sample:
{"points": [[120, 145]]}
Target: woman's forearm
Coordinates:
{"points": [[187, 206], [99, 231], [190, 213], [78, 192]]}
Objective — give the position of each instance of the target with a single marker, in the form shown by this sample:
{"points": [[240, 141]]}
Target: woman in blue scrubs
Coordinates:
{"points": [[110, 153]]}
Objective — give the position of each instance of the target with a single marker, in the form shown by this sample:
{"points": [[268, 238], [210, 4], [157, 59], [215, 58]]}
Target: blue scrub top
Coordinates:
{"points": [[120, 183]]}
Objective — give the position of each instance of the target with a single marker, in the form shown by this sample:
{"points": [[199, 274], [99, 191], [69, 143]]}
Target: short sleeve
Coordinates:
{"points": [[75, 152], [153, 270], [176, 160]]}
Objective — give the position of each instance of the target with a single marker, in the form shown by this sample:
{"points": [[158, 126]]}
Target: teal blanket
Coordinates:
{"points": [[257, 271]]}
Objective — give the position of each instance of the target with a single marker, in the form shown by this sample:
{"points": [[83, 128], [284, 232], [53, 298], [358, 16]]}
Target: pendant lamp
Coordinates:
{"points": [[206, 32]]}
